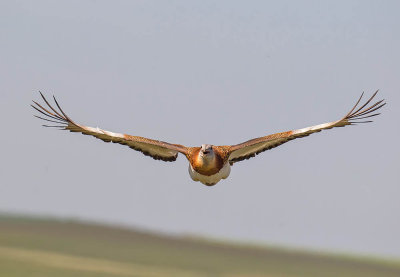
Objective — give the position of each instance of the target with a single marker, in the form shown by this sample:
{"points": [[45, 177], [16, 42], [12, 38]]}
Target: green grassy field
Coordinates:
{"points": [[33, 247]]}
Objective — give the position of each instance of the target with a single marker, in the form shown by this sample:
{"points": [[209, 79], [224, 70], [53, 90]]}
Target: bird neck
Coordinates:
{"points": [[207, 160]]}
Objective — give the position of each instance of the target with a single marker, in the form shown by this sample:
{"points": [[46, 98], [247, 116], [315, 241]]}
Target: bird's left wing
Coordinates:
{"points": [[158, 150], [255, 146]]}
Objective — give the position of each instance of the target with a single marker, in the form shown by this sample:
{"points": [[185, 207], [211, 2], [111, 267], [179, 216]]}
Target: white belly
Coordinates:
{"points": [[212, 179]]}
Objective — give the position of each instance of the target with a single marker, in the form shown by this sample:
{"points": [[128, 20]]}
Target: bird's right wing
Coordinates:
{"points": [[158, 150], [255, 146]]}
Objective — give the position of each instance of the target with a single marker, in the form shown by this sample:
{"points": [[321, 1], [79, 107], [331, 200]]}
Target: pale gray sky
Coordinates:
{"points": [[217, 72]]}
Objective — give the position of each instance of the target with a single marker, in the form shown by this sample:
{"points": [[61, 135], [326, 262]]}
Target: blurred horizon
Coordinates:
{"points": [[207, 72], [197, 238], [48, 247], [4, 215]]}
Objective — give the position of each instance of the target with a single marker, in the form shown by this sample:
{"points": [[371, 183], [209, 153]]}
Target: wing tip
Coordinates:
{"points": [[365, 110], [50, 112]]}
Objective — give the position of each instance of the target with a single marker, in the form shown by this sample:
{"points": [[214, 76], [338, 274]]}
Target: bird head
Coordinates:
{"points": [[206, 149]]}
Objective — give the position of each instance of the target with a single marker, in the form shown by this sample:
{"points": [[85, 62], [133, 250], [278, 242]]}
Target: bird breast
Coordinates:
{"points": [[210, 180], [206, 164]]}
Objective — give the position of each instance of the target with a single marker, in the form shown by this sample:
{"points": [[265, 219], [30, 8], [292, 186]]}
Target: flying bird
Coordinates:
{"points": [[208, 164]]}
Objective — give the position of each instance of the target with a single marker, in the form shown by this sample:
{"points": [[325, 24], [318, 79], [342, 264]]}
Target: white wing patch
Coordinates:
{"points": [[99, 131], [137, 143], [319, 127]]}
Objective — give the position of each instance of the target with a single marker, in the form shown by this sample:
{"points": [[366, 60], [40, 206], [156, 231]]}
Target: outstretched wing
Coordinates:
{"points": [[158, 150], [255, 146]]}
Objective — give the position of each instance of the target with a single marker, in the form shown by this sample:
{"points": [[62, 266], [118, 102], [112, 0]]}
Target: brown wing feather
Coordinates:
{"points": [[158, 150], [255, 146]]}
